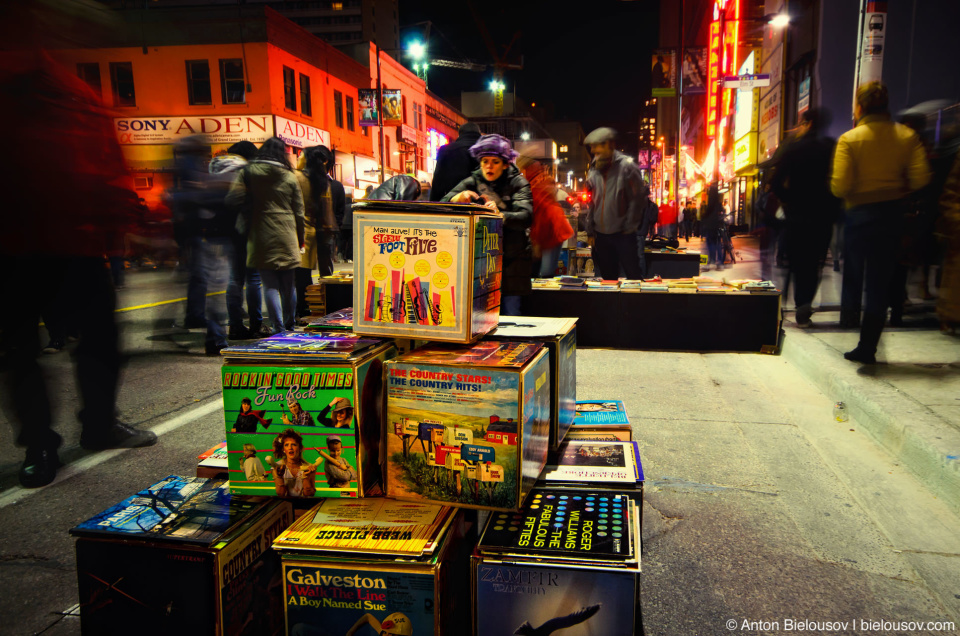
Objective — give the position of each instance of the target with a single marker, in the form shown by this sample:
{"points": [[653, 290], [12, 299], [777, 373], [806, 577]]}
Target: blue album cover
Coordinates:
{"points": [[600, 412], [531, 599], [188, 509]]}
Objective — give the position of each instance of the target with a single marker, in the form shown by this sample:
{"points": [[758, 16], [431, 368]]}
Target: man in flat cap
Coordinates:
{"points": [[615, 209]]}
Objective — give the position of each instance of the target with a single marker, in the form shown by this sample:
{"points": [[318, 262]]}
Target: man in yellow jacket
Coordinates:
{"points": [[876, 166]]}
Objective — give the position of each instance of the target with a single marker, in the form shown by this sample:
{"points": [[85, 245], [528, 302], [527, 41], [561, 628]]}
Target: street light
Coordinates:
{"points": [[525, 136], [780, 20], [418, 51]]}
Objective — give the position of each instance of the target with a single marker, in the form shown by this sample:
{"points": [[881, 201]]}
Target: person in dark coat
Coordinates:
{"points": [[59, 208], [802, 183], [499, 185], [454, 162], [401, 187]]}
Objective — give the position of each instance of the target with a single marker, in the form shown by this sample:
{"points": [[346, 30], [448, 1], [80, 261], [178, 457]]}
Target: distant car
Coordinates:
{"points": [[876, 23]]}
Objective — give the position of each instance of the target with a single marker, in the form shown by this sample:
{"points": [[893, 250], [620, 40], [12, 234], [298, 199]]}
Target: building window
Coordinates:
{"points": [[289, 88], [338, 108], [198, 82], [403, 106], [232, 83], [389, 159], [336, 6], [350, 125], [121, 77], [305, 106], [90, 73]]}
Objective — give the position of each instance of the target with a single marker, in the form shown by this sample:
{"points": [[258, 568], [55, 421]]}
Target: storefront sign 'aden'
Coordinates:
{"points": [[166, 130]]}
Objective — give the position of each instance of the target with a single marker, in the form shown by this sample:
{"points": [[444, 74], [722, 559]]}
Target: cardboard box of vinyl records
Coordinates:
{"points": [[468, 425], [323, 388], [379, 566], [559, 336], [568, 563], [428, 271], [184, 556]]}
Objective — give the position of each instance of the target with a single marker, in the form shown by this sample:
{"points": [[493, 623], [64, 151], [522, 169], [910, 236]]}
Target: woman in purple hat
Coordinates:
{"points": [[500, 186]]}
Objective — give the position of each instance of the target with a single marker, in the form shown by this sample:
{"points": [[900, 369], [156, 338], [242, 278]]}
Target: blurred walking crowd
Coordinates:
{"points": [[882, 199]]}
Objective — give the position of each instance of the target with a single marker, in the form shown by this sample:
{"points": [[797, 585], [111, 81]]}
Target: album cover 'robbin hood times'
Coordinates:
{"points": [[305, 430]]}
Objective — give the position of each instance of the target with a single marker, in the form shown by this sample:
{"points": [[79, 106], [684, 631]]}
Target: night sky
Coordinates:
{"points": [[583, 61]]}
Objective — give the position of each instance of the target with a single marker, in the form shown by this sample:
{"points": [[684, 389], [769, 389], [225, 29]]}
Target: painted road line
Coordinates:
{"points": [[162, 302], [18, 493]]}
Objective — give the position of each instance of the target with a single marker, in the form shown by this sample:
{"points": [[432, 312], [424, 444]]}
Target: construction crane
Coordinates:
{"points": [[499, 65]]}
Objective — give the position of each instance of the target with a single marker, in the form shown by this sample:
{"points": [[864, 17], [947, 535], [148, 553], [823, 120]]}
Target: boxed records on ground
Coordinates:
{"points": [[426, 271], [600, 420], [559, 336], [303, 415], [377, 566], [183, 556], [570, 560], [468, 425], [588, 464]]}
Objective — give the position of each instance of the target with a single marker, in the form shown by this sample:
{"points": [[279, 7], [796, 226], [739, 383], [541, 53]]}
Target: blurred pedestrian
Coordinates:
{"points": [[948, 230], [270, 203], [498, 185], [689, 218], [308, 254], [244, 281], [327, 196], [550, 227], [454, 162], [649, 213], [711, 220], [187, 199], [346, 231], [801, 181], [217, 252], [667, 219], [50, 241], [876, 166], [616, 205]]}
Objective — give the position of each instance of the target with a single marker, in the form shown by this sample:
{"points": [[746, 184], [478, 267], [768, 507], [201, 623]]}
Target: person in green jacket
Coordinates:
{"points": [[270, 206]]}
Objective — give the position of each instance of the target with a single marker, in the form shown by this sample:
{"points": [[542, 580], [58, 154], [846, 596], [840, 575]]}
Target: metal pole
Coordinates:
{"points": [[380, 112], [856, 68], [679, 76]]}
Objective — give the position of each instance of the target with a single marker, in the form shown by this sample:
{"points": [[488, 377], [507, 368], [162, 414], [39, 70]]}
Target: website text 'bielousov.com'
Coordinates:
{"points": [[850, 625]]}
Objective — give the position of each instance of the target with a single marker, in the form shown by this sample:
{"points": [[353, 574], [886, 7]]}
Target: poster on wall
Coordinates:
{"points": [[694, 71], [367, 99], [662, 73], [392, 107]]}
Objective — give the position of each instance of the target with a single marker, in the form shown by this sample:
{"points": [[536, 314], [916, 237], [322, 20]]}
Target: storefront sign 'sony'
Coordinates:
{"points": [[219, 130]]}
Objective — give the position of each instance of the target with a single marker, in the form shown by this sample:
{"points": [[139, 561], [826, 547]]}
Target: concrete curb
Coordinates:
{"points": [[917, 437]]}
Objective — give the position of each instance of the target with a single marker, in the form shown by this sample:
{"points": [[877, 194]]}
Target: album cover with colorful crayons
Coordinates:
{"points": [[432, 276]]}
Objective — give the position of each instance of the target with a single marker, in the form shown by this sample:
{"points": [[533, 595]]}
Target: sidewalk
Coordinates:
{"points": [[909, 403]]}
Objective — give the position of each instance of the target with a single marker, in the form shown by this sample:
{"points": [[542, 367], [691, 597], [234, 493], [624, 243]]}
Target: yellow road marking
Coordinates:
{"points": [[162, 302]]}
